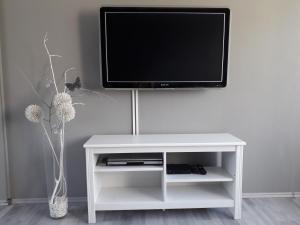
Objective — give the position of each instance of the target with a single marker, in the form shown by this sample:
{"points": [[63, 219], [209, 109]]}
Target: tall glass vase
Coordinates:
{"points": [[55, 168]]}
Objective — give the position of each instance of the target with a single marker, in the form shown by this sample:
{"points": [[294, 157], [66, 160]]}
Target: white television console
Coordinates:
{"points": [[150, 187]]}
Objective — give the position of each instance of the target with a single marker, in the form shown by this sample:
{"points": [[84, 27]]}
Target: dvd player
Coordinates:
{"points": [[132, 160]]}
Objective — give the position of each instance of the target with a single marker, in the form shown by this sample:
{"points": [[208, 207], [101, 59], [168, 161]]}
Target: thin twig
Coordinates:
{"points": [[50, 142], [59, 56], [61, 164], [50, 117], [60, 175], [65, 76], [78, 103], [50, 61]]}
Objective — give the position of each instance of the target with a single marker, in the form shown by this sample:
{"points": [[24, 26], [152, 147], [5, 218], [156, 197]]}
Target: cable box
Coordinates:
{"points": [[178, 169]]}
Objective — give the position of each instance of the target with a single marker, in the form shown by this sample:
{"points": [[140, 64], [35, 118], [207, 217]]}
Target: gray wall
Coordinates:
{"points": [[3, 183], [260, 103]]}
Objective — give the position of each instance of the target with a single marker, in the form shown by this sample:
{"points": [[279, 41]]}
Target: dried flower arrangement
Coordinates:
{"points": [[60, 111]]}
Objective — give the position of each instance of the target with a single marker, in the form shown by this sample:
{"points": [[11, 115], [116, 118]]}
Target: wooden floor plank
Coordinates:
{"points": [[266, 211]]}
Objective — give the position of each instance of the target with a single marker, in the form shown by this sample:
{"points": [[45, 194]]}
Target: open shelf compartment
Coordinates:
{"points": [[215, 172], [198, 196], [128, 189], [100, 166], [125, 198]]}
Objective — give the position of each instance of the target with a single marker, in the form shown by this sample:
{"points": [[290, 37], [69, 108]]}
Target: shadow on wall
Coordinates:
{"points": [[89, 47], [75, 166]]}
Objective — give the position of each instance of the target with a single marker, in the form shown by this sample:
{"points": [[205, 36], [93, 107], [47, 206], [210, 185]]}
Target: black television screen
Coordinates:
{"points": [[164, 47]]}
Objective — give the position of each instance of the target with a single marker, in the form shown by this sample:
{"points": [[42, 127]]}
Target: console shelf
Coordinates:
{"points": [[150, 187], [214, 174]]}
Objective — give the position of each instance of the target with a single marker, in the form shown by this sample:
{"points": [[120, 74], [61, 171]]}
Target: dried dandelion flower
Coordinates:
{"points": [[62, 98], [34, 113], [65, 112]]}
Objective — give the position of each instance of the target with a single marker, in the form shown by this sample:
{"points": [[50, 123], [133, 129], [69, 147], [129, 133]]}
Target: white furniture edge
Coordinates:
{"points": [[106, 169], [186, 140]]}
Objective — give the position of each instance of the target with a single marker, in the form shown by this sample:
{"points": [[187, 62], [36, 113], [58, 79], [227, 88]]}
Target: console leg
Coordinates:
{"points": [[90, 187], [92, 216], [237, 213], [238, 183]]}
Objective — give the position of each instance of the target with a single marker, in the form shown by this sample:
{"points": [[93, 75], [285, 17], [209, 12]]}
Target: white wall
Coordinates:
{"points": [[260, 103]]}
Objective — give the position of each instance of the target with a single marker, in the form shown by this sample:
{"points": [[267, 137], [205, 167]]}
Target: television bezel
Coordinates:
{"points": [[161, 85]]}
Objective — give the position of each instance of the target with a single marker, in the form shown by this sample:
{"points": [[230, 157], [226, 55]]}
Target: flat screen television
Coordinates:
{"points": [[164, 47]]}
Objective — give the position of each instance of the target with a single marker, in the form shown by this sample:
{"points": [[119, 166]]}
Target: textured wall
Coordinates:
{"points": [[260, 103]]}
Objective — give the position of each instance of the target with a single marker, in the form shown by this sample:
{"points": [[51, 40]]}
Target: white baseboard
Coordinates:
{"points": [[84, 199], [45, 200], [272, 195], [3, 202]]}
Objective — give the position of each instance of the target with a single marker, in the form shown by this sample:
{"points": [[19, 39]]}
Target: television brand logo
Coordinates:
{"points": [[164, 85]]}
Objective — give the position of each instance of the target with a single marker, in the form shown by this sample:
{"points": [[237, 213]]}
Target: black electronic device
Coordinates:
{"points": [[152, 47], [198, 169], [178, 169], [132, 160], [185, 169]]}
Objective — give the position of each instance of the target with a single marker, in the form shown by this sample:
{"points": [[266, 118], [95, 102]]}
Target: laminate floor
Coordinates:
{"points": [[268, 211]]}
